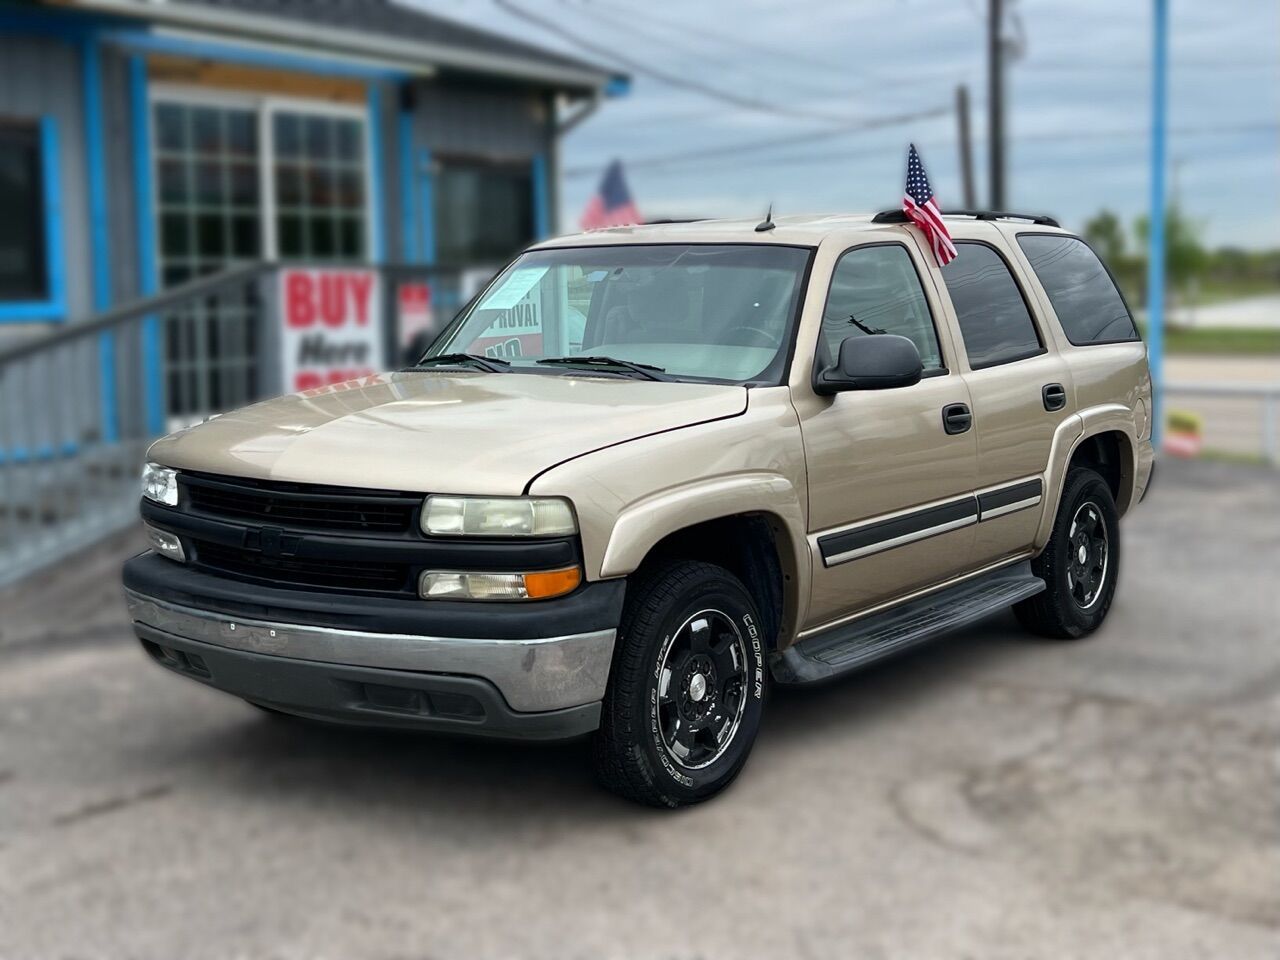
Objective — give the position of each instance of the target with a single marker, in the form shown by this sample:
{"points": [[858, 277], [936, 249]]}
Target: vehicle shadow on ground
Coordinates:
{"points": [[410, 776]]}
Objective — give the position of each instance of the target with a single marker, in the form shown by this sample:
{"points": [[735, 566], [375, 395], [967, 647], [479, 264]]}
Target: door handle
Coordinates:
{"points": [[1054, 396], [956, 418]]}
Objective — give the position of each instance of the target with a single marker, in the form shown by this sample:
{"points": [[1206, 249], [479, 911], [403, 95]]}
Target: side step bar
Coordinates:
{"points": [[847, 647]]}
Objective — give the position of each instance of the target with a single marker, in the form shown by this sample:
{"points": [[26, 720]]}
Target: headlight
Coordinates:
{"points": [[160, 484], [497, 517]]}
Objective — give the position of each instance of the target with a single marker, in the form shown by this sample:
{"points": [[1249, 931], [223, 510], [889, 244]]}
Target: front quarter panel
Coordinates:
{"points": [[630, 496]]}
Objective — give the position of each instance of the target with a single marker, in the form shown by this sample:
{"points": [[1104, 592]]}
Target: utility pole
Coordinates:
{"points": [[1156, 238], [995, 101], [966, 146]]}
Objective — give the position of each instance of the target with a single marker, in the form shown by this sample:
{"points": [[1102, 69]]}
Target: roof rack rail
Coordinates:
{"points": [[898, 216]]}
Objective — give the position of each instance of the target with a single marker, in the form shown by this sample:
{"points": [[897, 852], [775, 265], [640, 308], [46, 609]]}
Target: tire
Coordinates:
{"points": [[1079, 587], [687, 688]]}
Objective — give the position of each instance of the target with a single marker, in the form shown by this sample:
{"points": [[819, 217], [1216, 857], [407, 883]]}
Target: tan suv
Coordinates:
{"points": [[648, 472]]}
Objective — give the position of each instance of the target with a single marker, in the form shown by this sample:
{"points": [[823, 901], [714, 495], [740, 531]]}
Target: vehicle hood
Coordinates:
{"points": [[440, 431]]}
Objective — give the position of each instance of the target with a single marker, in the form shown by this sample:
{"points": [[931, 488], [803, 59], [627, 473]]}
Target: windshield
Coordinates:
{"points": [[715, 312]]}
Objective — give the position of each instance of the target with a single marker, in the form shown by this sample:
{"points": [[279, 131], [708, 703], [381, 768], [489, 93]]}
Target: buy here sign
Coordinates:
{"points": [[331, 326]]}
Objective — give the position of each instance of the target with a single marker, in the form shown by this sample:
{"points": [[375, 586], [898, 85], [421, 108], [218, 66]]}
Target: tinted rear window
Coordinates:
{"points": [[1083, 295], [994, 320]]}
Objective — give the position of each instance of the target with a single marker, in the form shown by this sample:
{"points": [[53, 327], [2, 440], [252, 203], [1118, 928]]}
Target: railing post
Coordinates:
{"points": [[1269, 427]]}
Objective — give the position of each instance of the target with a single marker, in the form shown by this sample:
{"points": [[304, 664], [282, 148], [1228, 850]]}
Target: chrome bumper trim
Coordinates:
{"points": [[548, 673]]}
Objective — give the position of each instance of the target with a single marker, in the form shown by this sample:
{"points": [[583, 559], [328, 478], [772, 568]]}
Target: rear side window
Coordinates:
{"points": [[876, 289], [1083, 295], [994, 320]]}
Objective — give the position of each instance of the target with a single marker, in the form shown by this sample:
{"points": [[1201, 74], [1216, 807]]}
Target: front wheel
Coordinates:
{"points": [[687, 689], [1080, 563]]}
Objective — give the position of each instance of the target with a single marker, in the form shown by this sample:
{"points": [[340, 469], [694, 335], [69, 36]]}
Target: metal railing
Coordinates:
{"points": [[79, 406], [1240, 419]]}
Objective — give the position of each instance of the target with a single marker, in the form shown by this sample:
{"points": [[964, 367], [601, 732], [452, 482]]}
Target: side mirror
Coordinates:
{"points": [[877, 362]]}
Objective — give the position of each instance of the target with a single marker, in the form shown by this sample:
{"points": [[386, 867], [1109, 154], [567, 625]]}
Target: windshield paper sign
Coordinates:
{"points": [[331, 326]]}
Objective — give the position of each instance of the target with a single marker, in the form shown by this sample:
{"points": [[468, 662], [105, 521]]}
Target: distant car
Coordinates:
{"points": [[654, 470]]}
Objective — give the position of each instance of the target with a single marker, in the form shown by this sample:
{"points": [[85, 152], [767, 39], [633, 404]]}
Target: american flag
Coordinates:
{"points": [[612, 205], [919, 205]]}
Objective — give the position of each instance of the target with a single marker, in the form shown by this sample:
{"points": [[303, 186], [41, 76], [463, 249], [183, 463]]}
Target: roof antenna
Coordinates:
{"points": [[767, 223]]}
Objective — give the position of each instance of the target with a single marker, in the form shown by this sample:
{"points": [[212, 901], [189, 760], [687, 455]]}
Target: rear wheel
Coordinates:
{"points": [[686, 693], [1080, 563]]}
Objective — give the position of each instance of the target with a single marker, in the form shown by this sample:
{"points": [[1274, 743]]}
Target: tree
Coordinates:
{"points": [[1186, 258], [1105, 233]]}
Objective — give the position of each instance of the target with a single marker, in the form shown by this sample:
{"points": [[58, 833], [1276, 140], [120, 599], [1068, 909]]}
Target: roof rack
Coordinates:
{"points": [[898, 216]]}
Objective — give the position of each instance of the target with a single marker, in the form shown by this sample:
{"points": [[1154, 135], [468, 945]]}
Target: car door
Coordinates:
{"points": [[1020, 388], [891, 508]]}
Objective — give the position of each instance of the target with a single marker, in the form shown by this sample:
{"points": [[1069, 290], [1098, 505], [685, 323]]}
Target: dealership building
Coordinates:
{"points": [[145, 143]]}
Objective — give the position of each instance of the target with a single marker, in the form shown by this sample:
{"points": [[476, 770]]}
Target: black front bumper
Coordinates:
{"points": [[364, 696], [535, 670]]}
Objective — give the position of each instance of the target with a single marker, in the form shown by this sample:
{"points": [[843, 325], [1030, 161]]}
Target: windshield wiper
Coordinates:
{"points": [[646, 370], [491, 364], [865, 328]]}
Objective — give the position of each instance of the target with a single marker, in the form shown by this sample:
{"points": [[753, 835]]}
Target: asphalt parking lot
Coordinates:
{"points": [[989, 796]]}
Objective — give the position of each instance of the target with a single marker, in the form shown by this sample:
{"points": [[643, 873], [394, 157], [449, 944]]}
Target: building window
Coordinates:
{"points": [[208, 173], [994, 320], [248, 181], [23, 268], [484, 211], [320, 196]]}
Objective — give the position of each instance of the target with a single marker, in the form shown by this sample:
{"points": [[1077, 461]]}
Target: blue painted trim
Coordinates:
{"points": [[1156, 240], [228, 52], [619, 85], [45, 23], [99, 239], [408, 198], [377, 244], [145, 218], [427, 206], [96, 165], [541, 198]]}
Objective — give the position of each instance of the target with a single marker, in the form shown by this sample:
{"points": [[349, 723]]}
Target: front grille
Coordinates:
{"points": [[302, 506], [357, 575]]}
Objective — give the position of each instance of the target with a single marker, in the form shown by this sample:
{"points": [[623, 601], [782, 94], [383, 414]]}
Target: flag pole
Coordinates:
{"points": [[1156, 238]]}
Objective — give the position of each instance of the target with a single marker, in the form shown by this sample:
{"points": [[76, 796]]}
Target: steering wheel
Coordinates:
{"points": [[769, 339]]}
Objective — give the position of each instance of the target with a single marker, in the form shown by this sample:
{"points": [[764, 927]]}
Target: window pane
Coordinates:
{"points": [[290, 238], [288, 135], [351, 237], [288, 185], [245, 234], [994, 320], [322, 242], [244, 184], [347, 137], [211, 237], [171, 128], [175, 234], [242, 134], [1087, 303], [22, 266], [877, 290], [209, 186], [206, 130], [173, 182]]}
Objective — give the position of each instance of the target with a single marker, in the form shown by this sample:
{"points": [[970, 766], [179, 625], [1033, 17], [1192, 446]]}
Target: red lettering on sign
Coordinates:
{"points": [[299, 308], [361, 284], [333, 299]]}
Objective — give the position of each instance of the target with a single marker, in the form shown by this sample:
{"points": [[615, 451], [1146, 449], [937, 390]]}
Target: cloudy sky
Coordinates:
{"points": [[790, 83]]}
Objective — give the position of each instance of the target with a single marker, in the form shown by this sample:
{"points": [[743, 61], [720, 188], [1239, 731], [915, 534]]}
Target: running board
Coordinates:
{"points": [[847, 647]]}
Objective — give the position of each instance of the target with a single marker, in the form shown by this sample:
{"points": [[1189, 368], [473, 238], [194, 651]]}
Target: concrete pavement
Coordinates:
{"points": [[991, 796]]}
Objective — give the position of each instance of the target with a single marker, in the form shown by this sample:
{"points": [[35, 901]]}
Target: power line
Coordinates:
{"points": [[1120, 133], [755, 146], [662, 76]]}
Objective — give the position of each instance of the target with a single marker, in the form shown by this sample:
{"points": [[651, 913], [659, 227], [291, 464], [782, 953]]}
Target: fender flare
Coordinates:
{"points": [[639, 527], [1075, 430]]}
